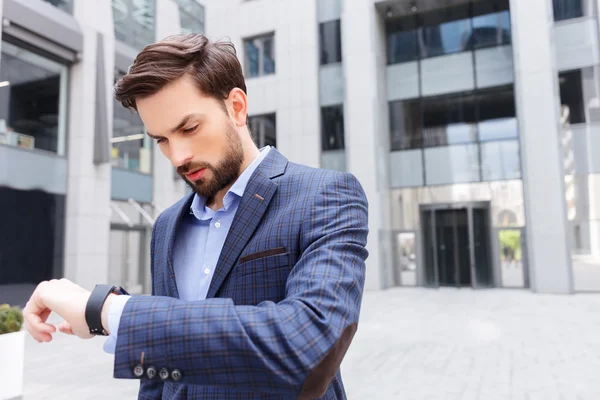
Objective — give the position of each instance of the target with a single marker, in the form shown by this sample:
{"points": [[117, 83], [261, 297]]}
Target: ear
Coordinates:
{"points": [[237, 104]]}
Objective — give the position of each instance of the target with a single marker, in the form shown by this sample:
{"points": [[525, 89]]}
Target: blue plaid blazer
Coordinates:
{"points": [[283, 304]]}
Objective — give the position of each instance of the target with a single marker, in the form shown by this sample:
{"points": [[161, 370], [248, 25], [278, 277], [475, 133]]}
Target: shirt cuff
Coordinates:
{"points": [[114, 318]]}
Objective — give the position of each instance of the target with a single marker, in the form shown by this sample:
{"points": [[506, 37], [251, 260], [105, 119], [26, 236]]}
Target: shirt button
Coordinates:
{"points": [[218, 224], [206, 271]]}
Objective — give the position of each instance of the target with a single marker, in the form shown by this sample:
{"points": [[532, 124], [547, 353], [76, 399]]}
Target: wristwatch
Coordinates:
{"points": [[93, 309]]}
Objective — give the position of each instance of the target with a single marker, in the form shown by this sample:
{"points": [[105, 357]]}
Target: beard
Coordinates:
{"points": [[223, 174]]}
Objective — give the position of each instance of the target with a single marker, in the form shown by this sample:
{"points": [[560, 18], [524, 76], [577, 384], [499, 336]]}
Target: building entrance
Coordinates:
{"points": [[457, 247]]}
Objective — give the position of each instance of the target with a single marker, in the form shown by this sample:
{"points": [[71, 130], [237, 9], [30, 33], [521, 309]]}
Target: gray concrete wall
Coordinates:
{"points": [[536, 88]]}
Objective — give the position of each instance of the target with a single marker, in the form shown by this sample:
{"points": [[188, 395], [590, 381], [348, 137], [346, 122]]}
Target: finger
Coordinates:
{"points": [[35, 323], [45, 314], [66, 328]]}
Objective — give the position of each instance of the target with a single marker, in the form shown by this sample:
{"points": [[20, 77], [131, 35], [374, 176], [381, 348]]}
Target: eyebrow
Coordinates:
{"points": [[184, 121]]}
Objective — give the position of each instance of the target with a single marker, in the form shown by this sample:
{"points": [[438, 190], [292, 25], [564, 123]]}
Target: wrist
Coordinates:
{"points": [[105, 310]]}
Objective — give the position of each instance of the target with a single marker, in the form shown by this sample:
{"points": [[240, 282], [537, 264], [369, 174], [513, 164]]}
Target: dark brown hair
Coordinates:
{"points": [[213, 65]]}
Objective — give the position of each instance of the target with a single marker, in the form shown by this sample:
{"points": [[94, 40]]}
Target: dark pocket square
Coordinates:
{"points": [[261, 254]]}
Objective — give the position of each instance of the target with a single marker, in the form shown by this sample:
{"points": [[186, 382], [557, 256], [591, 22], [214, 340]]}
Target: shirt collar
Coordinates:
{"points": [[198, 207]]}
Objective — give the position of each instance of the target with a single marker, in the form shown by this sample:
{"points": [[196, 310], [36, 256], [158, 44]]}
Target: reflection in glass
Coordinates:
{"points": [[407, 257], [452, 164], [65, 5], [263, 129], [450, 37], [405, 125], [191, 16], [449, 120], [491, 30], [330, 37], [33, 92], [511, 258], [131, 148], [497, 129], [134, 21], [500, 160], [332, 128], [402, 40], [567, 9], [260, 56]]}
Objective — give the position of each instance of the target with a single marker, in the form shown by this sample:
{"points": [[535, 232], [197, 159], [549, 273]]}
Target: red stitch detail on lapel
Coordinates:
{"points": [[259, 197]]}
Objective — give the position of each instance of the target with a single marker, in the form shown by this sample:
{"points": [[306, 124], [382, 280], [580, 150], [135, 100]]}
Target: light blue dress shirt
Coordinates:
{"points": [[198, 244]]}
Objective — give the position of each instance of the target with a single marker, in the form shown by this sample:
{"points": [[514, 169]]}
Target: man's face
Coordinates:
{"points": [[196, 134]]}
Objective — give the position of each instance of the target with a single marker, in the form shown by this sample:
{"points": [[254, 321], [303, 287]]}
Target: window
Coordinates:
{"points": [[134, 21], [567, 9], [191, 16], [33, 100], [405, 125], [496, 114], [330, 37], [260, 55], [65, 5], [448, 30], [449, 120], [332, 127], [131, 147], [571, 96], [263, 129]]}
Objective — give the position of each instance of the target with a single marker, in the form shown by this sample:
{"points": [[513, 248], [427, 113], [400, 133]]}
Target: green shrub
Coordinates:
{"points": [[11, 319]]}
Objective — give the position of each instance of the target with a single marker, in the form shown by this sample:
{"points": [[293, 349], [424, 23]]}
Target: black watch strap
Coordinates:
{"points": [[93, 309]]}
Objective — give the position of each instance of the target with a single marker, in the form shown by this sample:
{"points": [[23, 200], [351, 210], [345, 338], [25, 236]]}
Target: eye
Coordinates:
{"points": [[190, 130], [161, 140]]}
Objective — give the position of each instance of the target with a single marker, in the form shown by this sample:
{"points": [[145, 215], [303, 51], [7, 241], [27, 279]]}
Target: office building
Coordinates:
{"points": [[472, 125]]}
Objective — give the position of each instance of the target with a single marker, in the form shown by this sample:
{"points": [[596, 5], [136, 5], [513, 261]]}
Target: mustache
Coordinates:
{"points": [[190, 167]]}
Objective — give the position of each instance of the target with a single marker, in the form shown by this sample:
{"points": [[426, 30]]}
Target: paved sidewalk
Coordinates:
{"points": [[416, 344]]}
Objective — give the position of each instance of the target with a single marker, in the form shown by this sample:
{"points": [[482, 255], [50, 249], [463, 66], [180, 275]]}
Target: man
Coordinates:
{"points": [[257, 277]]}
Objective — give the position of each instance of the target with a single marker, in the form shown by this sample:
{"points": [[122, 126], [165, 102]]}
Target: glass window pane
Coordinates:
{"points": [[32, 97], [405, 125], [268, 55], [402, 45], [571, 97], [191, 16], [567, 9], [134, 21], [65, 5], [496, 113], [491, 30], [500, 160], [263, 129], [449, 120], [330, 37], [452, 164], [252, 59], [332, 128]]}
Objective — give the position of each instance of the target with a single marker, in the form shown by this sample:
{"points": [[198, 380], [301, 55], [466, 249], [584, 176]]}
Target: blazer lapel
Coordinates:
{"points": [[258, 194], [173, 224]]}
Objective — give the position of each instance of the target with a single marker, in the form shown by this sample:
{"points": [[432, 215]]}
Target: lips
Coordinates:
{"points": [[196, 175]]}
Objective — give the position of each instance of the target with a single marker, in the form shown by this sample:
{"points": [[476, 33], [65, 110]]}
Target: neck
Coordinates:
{"points": [[216, 203]]}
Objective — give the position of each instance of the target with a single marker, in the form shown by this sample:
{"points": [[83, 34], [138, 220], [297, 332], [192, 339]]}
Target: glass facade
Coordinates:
{"points": [[567, 9], [131, 147], [332, 127], [330, 42], [447, 31], [65, 5], [134, 22], [191, 16], [33, 100], [260, 56], [263, 129]]}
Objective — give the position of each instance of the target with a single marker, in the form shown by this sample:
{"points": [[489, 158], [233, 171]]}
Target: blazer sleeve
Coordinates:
{"points": [[293, 347]]}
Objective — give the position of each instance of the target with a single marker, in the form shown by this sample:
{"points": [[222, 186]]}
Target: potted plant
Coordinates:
{"points": [[12, 352]]}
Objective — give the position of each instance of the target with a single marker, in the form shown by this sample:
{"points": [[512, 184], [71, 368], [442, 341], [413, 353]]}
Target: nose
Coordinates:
{"points": [[181, 153]]}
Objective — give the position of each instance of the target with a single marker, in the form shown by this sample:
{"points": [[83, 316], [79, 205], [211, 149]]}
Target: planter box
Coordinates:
{"points": [[12, 357]]}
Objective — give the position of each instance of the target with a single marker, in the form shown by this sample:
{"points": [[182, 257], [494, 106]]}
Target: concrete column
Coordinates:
{"points": [[536, 91], [88, 196], [166, 188], [365, 115]]}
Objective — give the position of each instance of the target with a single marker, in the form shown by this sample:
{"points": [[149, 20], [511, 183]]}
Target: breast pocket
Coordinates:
{"points": [[261, 279]]}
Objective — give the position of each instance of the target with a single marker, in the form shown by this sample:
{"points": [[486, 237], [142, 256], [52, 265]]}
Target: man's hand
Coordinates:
{"points": [[65, 299]]}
